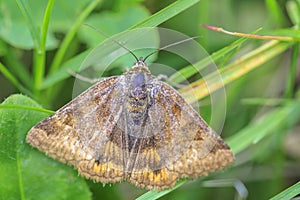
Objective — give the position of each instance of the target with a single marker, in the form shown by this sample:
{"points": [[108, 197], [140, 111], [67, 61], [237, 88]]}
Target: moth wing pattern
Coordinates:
{"points": [[185, 146], [75, 135]]}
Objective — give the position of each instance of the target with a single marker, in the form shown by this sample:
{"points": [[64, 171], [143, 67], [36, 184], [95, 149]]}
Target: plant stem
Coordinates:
{"points": [[40, 51]]}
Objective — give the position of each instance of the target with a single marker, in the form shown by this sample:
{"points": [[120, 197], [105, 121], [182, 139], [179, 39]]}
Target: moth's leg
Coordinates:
{"points": [[83, 78], [239, 186]]}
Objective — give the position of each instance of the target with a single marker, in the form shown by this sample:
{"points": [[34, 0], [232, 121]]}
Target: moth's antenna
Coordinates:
{"points": [[115, 41], [170, 45]]}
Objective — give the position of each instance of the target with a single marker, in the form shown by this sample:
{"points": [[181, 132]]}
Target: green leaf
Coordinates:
{"points": [[151, 195], [291, 80], [294, 12], [275, 12], [166, 13], [26, 173], [289, 193]]}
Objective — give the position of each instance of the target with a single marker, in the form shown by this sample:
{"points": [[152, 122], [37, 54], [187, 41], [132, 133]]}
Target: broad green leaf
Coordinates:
{"points": [[26, 173]]}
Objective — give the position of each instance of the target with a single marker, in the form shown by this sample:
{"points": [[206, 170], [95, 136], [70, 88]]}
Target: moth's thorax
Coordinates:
{"points": [[139, 81], [138, 78]]}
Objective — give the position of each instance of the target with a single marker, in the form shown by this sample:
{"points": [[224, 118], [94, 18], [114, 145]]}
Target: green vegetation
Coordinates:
{"points": [[41, 40]]}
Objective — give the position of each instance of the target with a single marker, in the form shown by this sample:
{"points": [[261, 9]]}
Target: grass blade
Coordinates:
{"points": [[151, 195], [242, 66], [166, 13], [188, 71], [289, 193], [40, 51], [291, 81]]}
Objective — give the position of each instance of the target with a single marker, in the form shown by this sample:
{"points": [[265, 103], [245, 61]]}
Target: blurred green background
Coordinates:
{"points": [[266, 165]]}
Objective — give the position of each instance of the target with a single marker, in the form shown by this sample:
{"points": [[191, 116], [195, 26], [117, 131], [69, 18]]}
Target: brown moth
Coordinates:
{"points": [[132, 127]]}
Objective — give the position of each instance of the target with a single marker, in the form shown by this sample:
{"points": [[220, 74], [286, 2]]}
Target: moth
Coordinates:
{"points": [[134, 128]]}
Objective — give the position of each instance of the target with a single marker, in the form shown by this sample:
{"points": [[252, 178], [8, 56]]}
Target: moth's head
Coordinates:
{"points": [[140, 66], [141, 63]]}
